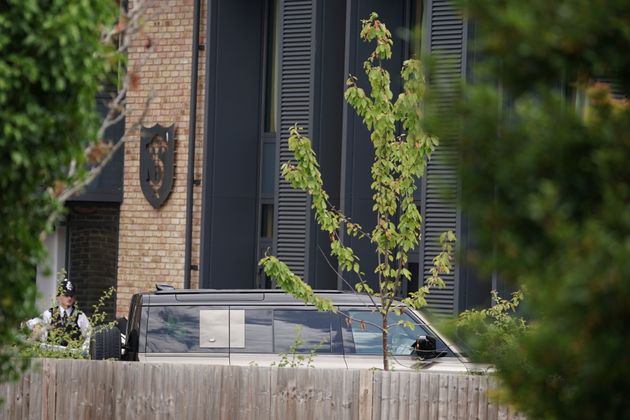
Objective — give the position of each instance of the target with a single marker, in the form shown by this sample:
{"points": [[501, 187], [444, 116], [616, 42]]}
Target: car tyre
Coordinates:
{"points": [[106, 344]]}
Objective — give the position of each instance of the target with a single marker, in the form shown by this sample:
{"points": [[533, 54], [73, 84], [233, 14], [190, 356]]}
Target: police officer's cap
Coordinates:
{"points": [[67, 288]]}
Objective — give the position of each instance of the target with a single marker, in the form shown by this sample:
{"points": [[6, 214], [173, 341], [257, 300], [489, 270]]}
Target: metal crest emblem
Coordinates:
{"points": [[157, 151]]}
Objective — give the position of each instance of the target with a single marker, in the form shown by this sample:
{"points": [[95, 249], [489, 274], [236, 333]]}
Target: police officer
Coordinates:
{"points": [[64, 323]]}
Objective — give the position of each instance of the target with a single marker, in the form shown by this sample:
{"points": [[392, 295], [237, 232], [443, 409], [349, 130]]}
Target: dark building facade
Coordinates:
{"points": [[296, 55], [233, 76]]}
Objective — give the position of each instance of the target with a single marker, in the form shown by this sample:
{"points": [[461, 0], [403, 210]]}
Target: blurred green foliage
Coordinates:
{"points": [[541, 41], [490, 334], [546, 182], [52, 64]]}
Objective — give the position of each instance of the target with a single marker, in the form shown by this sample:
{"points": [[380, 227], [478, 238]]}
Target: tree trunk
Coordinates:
{"points": [[385, 349]]}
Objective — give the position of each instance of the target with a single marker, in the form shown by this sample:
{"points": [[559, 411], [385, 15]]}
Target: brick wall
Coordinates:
{"points": [[93, 238], [152, 242]]}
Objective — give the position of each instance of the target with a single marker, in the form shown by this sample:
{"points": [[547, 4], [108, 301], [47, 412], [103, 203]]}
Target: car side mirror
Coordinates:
{"points": [[425, 347]]}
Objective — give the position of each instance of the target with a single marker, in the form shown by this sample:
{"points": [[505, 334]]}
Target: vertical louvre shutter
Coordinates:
{"points": [[440, 187], [294, 102]]}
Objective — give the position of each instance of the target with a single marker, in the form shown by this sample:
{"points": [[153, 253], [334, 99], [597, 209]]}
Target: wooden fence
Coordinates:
{"points": [[84, 389]]}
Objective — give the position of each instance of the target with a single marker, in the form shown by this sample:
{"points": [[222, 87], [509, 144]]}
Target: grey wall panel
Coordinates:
{"points": [[358, 153], [233, 262], [232, 141], [474, 287], [292, 216], [329, 81]]}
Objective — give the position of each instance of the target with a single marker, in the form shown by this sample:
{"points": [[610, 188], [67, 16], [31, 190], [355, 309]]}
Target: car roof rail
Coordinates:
{"points": [[168, 289]]}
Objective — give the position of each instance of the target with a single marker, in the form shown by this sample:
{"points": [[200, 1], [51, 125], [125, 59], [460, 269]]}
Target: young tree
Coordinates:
{"points": [[399, 161], [546, 181]]}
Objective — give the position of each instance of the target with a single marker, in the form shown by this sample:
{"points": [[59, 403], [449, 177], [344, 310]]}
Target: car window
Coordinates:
{"points": [[363, 333], [257, 332], [173, 329], [208, 329], [305, 330]]}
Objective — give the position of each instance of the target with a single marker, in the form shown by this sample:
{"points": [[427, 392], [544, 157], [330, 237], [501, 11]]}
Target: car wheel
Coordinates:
{"points": [[105, 344]]}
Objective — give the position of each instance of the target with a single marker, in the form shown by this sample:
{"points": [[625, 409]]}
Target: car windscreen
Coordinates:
{"points": [[363, 334]]}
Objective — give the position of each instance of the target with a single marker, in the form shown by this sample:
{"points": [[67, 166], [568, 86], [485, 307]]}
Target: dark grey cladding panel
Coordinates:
{"points": [[358, 154], [446, 38], [232, 141], [296, 66], [329, 78]]}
